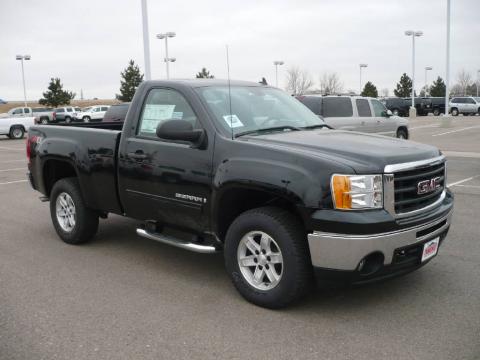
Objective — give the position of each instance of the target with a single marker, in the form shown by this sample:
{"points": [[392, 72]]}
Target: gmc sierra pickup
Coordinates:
{"points": [[208, 165]]}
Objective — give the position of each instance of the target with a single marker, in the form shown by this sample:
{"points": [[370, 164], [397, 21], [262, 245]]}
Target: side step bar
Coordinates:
{"points": [[199, 248]]}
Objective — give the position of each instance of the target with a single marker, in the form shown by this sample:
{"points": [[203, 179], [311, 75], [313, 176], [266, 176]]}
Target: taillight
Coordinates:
{"points": [[30, 141]]}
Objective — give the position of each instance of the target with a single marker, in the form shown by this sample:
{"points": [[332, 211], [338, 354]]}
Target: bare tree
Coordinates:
{"points": [[330, 83], [384, 92], [298, 81], [464, 80]]}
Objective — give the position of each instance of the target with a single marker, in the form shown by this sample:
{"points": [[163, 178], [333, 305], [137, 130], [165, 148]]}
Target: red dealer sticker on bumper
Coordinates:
{"points": [[430, 249]]}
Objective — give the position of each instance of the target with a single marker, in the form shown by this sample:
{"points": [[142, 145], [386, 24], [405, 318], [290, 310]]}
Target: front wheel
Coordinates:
{"points": [[73, 221], [402, 134], [395, 112], [454, 112], [44, 121], [86, 119], [68, 120], [267, 257], [436, 112]]}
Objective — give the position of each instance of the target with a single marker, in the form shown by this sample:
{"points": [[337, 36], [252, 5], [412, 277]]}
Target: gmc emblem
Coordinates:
{"points": [[427, 186]]}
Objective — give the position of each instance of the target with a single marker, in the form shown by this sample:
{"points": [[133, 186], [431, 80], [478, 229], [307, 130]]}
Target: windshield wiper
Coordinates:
{"points": [[273, 128], [316, 126]]}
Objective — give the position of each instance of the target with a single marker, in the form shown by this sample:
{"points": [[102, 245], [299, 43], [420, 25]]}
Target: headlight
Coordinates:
{"points": [[357, 192]]}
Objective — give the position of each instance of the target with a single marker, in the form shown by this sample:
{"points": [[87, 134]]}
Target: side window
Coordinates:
{"points": [[60, 110], [69, 109], [470, 101], [18, 111], [337, 107], [378, 108], [162, 105], [454, 100], [26, 110], [363, 108], [311, 102], [104, 108]]}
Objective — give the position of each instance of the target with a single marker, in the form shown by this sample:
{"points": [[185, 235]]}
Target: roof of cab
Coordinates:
{"points": [[196, 83]]}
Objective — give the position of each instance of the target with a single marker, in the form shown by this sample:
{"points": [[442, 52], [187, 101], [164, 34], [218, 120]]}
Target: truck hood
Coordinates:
{"points": [[364, 153]]}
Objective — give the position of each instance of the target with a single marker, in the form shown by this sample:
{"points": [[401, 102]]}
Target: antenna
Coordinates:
{"points": [[229, 92]]}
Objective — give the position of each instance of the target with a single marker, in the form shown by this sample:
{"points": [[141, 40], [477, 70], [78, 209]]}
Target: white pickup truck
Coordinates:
{"points": [[15, 127]]}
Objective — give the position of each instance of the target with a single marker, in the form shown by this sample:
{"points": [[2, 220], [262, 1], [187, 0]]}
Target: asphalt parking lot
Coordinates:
{"points": [[126, 297]]}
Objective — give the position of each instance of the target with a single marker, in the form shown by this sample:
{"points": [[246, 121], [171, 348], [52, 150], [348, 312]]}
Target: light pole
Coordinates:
{"points": [[21, 58], [427, 68], [146, 43], [447, 72], [361, 66], [167, 59], [413, 34], [277, 63], [478, 80]]}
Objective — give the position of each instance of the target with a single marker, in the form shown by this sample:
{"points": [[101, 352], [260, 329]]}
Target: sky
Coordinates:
{"points": [[88, 43]]}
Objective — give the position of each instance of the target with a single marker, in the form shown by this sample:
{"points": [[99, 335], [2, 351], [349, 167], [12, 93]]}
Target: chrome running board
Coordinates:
{"points": [[199, 248]]}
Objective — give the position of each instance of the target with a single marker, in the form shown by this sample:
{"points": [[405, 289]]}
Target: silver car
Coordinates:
{"points": [[466, 105], [357, 113]]}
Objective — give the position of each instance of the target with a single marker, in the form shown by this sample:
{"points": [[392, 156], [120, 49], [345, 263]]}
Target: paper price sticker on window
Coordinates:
{"points": [[233, 121], [153, 114]]}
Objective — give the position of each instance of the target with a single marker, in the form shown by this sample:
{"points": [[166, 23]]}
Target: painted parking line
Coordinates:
{"points": [[10, 149], [14, 169], [470, 186], [13, 182], [462, 154], [462, 181], [458, 130], [423, 127]]}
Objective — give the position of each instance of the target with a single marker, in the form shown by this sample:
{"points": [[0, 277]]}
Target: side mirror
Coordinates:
{"points": [[387, 113], [180, 130]]}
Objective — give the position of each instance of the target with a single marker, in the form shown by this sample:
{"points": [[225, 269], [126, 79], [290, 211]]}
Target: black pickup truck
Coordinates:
{"points": [[208, 165]]}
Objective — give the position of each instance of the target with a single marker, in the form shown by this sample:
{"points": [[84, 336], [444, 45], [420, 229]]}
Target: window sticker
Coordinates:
{"points": [[177, 115], [153, 114], [233, 121]]}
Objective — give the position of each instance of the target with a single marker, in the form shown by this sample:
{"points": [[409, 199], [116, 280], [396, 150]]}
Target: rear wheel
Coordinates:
{"points": [[402, 134], [68, 119], [395, 112], [454, 112], [267, 257], [44, 121], [16, 132], [436, 112], [73, 221], [86, 119]]}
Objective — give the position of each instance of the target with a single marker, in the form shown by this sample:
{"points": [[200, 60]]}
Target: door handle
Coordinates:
{"points": [[139, 155]]}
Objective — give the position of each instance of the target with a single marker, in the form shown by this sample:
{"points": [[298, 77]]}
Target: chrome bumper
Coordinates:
{"points": [[345, 251]]}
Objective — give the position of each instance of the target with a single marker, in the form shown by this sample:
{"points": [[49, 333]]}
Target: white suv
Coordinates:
{"points": [[96, 112], [467, 105]]}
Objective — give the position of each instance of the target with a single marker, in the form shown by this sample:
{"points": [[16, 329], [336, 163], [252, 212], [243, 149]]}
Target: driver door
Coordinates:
{"points": [[383, 125]]}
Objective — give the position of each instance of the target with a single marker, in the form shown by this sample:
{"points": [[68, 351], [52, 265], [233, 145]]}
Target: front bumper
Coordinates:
{"points": [[337, 251]]}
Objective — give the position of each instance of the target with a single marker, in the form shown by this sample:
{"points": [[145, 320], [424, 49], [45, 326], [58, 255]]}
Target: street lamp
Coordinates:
{"points": [[447, 67], [361, 66], [277, 63], [146, 43], [21, 58], [427, 68], [167, 59], [413, 34], [478, 80]]}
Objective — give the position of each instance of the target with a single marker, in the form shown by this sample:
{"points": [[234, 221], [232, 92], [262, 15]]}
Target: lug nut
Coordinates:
{"points": [[268, 258], [267, 267], [260, 267], [255, 260], [257, 252], [263, 251]]}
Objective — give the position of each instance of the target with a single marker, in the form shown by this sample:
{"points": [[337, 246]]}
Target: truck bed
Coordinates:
{"points": [[91, 150]]}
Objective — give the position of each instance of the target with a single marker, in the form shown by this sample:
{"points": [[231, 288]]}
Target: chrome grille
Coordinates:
{"points": [[406, 184]]}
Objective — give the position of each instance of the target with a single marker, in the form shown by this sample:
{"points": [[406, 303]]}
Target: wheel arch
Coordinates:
{"points": [[54, 169]]}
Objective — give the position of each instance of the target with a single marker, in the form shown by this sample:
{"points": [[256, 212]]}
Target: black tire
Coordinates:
{"points": [[402, 134], [436, 112], [86, 119], [68, 119], [396, 112], [44, 121], [86, 220], [16, 132], [291, 238], [454, 112]]}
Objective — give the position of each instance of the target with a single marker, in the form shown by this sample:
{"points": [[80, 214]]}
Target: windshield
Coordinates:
{"points": [[477, 99], [255, 108]]}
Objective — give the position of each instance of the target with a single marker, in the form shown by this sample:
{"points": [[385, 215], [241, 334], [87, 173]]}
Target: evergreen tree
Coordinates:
{"points": [[370, 90], [404, 87], [204, 74], [55, 95], [438, 88], [131, 79]]}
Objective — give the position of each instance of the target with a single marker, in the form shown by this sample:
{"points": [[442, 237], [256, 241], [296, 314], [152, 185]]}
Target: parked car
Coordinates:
{"points": [[245, 168], [356, 113], [467, 105], [398, 106], [423, 105], [91, 113], [15, 127], [65, 113], [116, 113], [17, 112]]}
